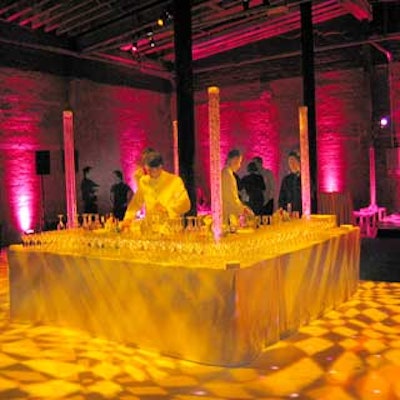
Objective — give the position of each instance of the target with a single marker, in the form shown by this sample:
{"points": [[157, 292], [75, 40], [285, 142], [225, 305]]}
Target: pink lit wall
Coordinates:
{"points": [[30, 120], [395, 93], [23, 192], [288, 97], [387, 154], [113, 125], [248, 117], [396, 98], [344, 124]]}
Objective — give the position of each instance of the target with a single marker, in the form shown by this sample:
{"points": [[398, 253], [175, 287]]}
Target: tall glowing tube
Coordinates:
{"points": [[69, 163], [215, 160], [372, 177], [175, 146], [305, 161]]}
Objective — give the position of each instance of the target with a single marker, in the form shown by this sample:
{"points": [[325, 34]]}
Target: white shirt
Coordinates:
{"points": [[231, 203]]}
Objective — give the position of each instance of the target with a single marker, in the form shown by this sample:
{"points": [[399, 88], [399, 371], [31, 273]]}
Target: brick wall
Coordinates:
{"points": [[30, 120], [262, 119], [344, 129], [386, 139], [112, 125], [249, 121]]}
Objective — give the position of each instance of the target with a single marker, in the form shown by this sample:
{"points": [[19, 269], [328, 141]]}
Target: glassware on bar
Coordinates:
{"points": [[60, 224]]}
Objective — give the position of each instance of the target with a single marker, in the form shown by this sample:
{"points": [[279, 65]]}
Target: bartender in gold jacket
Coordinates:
{"points": [[161, 192]]}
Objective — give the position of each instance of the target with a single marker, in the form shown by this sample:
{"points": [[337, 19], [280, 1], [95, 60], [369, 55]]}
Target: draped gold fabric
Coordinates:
{"points": [[215, 316]]}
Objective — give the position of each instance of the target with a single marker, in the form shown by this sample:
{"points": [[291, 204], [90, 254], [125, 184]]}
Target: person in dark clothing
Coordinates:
{"points": [[254, 185], [269, 181], [290, 192], [120, 195], [88, 190]]}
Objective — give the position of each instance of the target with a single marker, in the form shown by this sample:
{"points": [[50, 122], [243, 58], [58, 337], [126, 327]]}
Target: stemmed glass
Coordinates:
{"points": [[85, 221], [60, 224]]}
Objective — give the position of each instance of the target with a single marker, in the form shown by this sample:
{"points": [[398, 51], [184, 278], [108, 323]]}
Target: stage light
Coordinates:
{"points": [[152, 42], [384, 122], [165, 18], [134, 48], [245, 4]]}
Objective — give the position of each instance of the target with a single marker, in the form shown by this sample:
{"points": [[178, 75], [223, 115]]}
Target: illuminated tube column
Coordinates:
{"points": [[215, 160], [69, 162], [372, 177], [305, 161], [175, 144]]}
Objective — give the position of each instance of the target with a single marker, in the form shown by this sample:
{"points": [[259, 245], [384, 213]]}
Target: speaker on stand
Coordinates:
{"points": [[42, 159]]}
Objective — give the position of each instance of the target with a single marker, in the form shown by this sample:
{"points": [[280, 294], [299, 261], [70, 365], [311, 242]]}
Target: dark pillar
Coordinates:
{"points": [[184, 95], [307, 46]]}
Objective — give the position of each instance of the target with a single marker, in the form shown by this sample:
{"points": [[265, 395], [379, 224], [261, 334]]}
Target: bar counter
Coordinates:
{"points": [[185, 295]]}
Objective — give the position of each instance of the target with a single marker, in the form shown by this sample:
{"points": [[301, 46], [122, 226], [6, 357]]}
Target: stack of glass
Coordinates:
{"points": [[178, 242]]}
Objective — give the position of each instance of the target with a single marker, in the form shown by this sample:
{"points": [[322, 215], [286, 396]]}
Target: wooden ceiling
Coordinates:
{"points": [[227, 34]]}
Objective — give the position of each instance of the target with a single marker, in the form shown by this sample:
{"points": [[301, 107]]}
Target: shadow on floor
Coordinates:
{"points": [[380, 257]]}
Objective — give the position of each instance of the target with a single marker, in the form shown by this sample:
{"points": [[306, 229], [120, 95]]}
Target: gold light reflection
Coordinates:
{"points": [[348, 354]]}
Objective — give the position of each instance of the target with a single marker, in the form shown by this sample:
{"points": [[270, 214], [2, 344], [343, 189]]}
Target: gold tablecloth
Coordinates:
{"points": [[215, 316]]}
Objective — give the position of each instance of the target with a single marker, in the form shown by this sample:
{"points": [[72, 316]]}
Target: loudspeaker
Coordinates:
{"points": [[43, 162]]}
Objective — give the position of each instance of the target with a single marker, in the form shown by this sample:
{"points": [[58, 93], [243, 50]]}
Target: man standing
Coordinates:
{"points": [[269, 181], [231, 204], [290, 192], [89, 192], [161, 192], [120, 195]]}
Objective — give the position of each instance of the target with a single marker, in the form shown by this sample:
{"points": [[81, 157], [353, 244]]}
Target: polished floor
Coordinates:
{"points": [[350, 353]]}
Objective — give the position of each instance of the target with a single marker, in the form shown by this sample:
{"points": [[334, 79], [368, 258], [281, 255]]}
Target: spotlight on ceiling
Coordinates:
{"points": [[384, 122], [152, 42], [160, 21], [165, 18], [246, 4], [134, 48]]}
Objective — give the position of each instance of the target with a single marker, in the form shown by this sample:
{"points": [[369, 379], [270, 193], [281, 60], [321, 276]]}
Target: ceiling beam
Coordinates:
{"points": [[27, 10], [65, 10], [83, 18], [12, 5], [87, 7], [12, 33], [258, 32], [121, 27], [144, 65], [205, 23], [360, 9], [319, 49], [36, 16], [34, 40]]}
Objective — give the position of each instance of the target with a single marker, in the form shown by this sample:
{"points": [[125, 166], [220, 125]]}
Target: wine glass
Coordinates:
{"points": [[60, 224]]}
